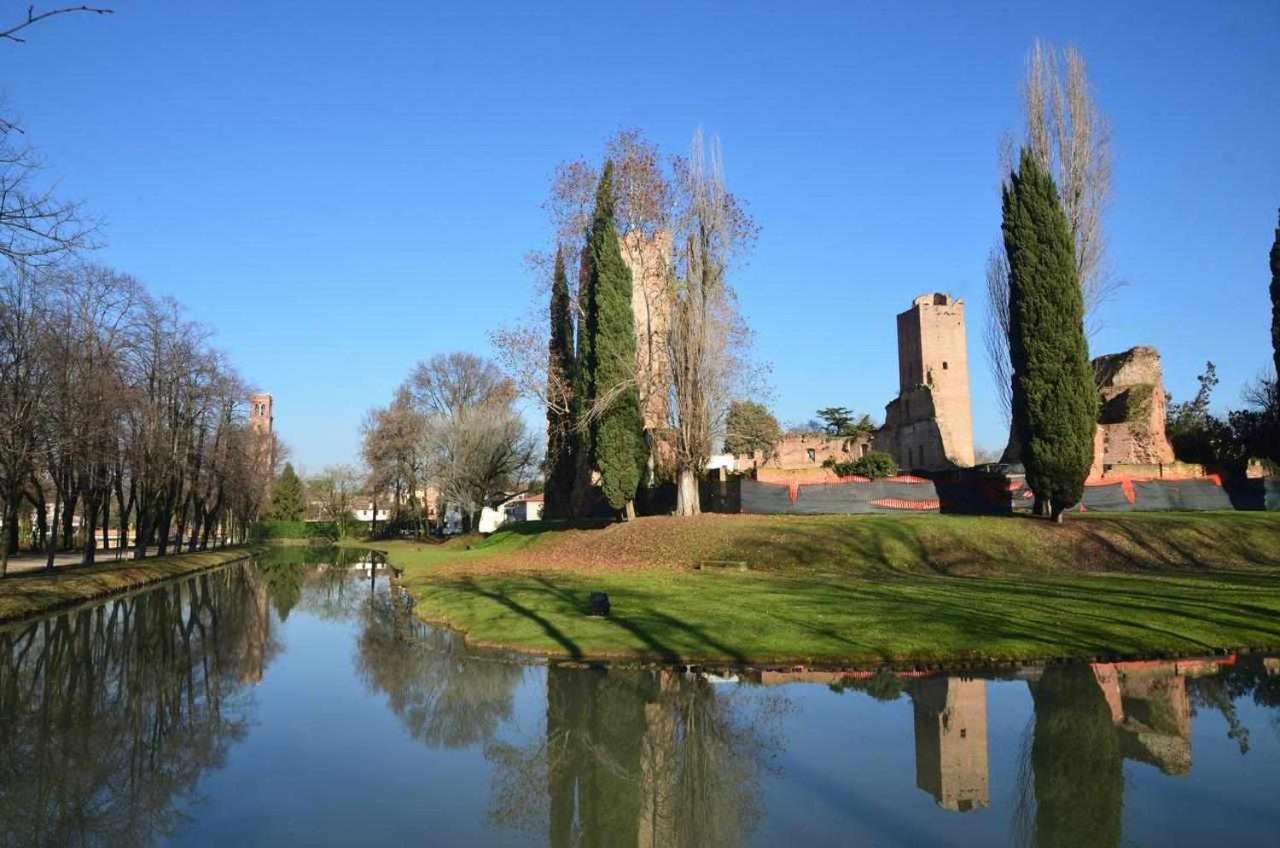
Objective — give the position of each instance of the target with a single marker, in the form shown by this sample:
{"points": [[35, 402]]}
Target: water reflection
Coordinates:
{"points": [[111, 715], [445, 695], [116, 718]]}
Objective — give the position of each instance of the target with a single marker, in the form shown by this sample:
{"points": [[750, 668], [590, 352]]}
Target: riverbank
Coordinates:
{"points": [[28, 595], [864, 589]]}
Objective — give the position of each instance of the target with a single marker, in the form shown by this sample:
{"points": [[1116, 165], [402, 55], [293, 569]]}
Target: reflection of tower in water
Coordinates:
{"points": [[257, 628], [951, 741], [1151, 710]]}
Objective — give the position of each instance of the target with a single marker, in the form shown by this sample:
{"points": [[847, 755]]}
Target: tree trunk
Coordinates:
{"points": [[11, 525], [89, 528], [1055, 514], [68, 513], [52, 544], [688, 501], [629, 511], [106, 521], [1038, 507]]}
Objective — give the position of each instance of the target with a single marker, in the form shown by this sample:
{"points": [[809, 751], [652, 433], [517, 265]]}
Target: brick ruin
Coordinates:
{"points": [[1131, 413], [929, 425]]}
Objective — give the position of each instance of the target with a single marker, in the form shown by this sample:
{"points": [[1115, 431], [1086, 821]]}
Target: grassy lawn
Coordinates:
{"points": [[862, 589], [34, 593]]}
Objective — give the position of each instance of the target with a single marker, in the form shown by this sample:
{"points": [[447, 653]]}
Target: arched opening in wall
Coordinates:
{"points": [[944, 365]]}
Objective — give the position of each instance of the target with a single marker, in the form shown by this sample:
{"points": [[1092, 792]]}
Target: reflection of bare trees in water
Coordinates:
{"points": [[641, 757], [444, 695], [111, 714]]}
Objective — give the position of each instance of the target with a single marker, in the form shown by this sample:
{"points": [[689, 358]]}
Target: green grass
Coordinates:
{"points": [[750, 618], [866, 589], [34, 593]]}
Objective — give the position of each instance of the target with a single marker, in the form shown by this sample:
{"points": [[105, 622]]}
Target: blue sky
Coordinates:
{"points": [[343, 189]]}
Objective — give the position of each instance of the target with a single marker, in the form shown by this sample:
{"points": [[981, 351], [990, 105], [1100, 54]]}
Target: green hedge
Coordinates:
{"points": [[265, 530]]}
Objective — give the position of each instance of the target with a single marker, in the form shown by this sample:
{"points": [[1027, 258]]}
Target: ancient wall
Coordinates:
{"points": [[800, 457], [929, 426]]}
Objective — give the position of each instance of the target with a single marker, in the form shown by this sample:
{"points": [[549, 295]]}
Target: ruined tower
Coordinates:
{"points": [[929, 425], [648, 258]]}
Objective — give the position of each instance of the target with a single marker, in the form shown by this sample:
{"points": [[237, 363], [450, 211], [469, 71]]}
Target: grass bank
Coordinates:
{"points": [[861, 589], [35, 593]]}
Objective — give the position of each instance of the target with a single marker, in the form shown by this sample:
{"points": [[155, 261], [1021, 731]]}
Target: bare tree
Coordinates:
{"points": [[23, 384], [707, 339], [35, 225], [1067, 132], [474, 440], [10, 32]]}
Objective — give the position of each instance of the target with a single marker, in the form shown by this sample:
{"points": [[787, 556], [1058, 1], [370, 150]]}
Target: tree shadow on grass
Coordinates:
{"points": [[628, 620], [468, 584]]}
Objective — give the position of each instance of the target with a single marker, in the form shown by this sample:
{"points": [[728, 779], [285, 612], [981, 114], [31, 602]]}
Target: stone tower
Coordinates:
{"points": [[929, 426], [648, 258]]}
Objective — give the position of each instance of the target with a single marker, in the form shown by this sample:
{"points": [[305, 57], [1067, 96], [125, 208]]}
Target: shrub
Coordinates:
{"points": [[268, 530], [875, 464]]}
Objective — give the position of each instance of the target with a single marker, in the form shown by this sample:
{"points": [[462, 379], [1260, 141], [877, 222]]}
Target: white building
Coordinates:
{"points": [[523, 507]]}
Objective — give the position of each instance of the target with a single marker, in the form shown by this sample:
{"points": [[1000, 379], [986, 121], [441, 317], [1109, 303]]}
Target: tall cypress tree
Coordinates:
{"points": [[1055, 402], [1275, 302], [560, 423], [620, 449], [583, 435]]}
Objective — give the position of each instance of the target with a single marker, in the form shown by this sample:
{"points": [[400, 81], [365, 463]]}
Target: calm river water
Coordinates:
{"points": [[295, 702]]}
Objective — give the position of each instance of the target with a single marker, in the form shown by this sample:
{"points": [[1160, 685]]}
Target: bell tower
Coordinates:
{"points": [[261, 418], [261, 425]]}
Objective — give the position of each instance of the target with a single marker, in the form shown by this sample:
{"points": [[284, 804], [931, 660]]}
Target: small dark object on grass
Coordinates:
{"points": [[599, 604]]}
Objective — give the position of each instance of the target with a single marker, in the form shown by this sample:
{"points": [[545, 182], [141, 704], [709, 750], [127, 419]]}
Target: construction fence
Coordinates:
{"points": [[970, 491]]}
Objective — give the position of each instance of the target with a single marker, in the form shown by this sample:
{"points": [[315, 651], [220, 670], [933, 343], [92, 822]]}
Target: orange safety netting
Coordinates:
{"points": [[899, 503]]}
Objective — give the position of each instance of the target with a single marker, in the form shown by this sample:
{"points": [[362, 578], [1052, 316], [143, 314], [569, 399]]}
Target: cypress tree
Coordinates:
{"points": [[560, 367], [1055, 402], [1275, 302], [583, 435], [620, 449]]}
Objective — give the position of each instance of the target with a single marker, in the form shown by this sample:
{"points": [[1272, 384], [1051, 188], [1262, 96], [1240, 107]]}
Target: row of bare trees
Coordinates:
{"points": [[114, 408]]}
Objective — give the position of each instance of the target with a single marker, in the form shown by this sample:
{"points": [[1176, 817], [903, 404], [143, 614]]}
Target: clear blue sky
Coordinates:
{"points": [[341, 189]]}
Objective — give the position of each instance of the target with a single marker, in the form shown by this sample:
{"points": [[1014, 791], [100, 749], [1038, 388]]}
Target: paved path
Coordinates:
{"points": [[26, 561]]}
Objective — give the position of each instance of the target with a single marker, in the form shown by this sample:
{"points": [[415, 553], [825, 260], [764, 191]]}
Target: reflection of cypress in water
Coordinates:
{"points": [[1079, 782], [595, 724], [654, 758], [111, 714]]}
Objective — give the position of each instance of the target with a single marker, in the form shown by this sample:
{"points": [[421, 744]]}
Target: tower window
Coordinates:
{"points": [[944, 365]]}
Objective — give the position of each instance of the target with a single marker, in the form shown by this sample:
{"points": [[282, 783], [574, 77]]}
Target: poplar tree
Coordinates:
{"points": [[1055, 403], [560, 465], [620, 449]]}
